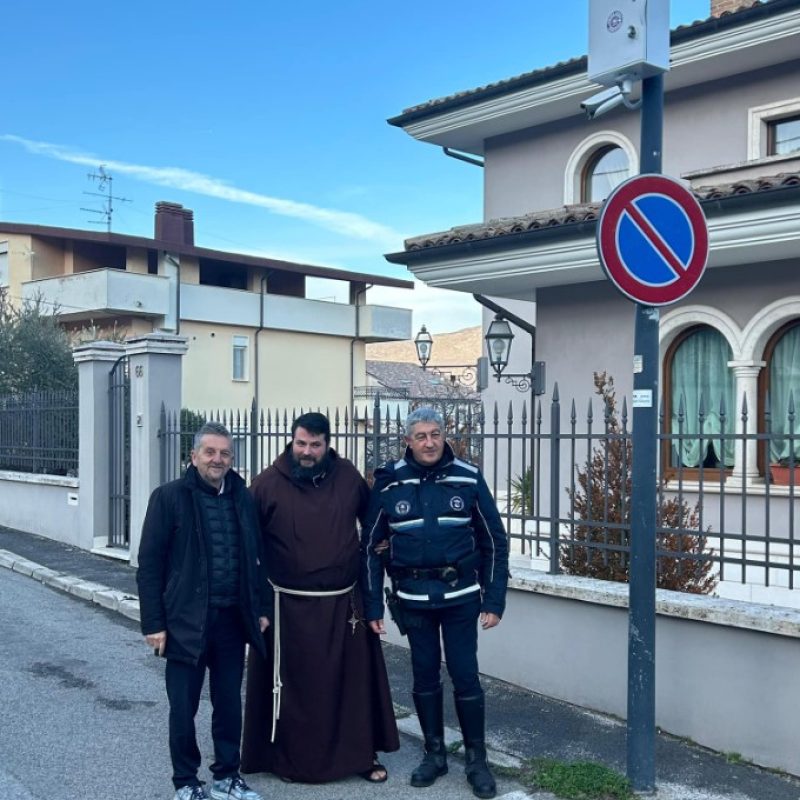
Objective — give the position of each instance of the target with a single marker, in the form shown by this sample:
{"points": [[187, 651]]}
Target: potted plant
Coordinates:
{"points": [[784, 471]]}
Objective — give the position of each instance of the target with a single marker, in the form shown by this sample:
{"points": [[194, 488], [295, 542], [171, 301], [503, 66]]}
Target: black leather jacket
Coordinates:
{"points": [[173, 567]]}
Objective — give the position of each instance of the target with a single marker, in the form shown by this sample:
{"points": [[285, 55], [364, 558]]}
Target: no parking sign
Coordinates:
{"points": [[652, 239]]}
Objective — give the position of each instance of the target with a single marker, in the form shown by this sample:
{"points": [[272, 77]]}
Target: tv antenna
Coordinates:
{"points": [[104, 182]]}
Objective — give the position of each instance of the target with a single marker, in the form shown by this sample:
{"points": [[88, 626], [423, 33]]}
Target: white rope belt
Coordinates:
{"points": [[277, 684]]}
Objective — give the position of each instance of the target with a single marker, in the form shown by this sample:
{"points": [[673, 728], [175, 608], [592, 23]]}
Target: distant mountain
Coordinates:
{"points": [[459, 347]]}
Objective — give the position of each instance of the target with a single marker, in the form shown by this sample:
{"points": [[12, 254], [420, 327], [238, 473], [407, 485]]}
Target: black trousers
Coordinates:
{"points": [[224, 659], [457, 628]]}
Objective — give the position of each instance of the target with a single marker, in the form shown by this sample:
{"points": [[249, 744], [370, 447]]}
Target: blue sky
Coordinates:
{"points": [[267, 119]]}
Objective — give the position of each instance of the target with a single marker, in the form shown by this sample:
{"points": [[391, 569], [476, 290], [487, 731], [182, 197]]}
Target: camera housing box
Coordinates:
{"points": [[628, 39]]}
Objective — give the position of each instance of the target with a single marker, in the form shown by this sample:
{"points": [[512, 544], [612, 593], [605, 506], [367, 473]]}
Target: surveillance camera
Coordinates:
{"points": [[602, 102]]}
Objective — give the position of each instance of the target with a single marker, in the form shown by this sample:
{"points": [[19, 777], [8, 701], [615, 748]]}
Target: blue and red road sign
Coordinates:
{"points": [[652, 239]]}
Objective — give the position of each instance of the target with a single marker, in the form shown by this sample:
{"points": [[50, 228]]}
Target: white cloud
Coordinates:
{"points": [[344, 223]]}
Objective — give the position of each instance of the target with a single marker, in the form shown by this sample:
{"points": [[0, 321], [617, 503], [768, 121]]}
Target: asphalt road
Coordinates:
{"points": [[83, 713]]}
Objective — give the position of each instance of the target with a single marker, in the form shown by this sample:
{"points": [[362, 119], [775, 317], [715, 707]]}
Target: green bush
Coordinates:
{"points": [[522, 493], [601, 501]]}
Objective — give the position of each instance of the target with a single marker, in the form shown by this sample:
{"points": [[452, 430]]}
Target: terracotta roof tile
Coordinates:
{"points": [[560, 66], [585, 212], [415, 382]]}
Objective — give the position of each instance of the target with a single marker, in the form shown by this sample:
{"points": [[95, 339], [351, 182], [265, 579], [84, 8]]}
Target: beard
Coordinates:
{"points": [[304, 473]]}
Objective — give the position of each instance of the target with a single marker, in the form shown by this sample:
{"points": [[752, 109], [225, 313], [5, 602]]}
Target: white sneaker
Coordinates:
{"points": [[191, 793], [232, 789]]}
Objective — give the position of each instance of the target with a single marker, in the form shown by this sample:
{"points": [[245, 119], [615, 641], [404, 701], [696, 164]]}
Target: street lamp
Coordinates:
{"points": [[498, 345], [424, 344], [467, 375]]}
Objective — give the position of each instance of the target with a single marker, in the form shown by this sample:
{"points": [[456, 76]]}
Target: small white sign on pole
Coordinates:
{"points": [[642, 398]]}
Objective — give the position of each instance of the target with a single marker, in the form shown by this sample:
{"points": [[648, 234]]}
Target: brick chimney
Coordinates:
{"points": [[719, 7], [174, 223]]}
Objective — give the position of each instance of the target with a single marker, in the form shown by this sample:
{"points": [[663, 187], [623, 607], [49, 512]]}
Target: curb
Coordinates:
{"points": [[97, 593]]}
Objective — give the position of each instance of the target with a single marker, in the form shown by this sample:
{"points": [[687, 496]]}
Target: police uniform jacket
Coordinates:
{"points": [[446, 538]]}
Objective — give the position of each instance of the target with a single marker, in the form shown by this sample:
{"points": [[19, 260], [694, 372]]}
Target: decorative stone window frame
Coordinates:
{"points": [[747, 348], [758, 119], [583, 153]]}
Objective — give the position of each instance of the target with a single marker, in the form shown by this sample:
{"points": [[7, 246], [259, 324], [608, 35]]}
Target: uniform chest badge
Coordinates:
{"points": [[456, 503], [402, 507]]}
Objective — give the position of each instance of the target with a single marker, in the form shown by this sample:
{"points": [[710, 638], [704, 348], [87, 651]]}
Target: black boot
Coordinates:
{"points": [[431, 719], [471, 714]]}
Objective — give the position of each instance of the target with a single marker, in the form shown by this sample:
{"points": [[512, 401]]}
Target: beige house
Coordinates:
{"points": [[252, 330]]}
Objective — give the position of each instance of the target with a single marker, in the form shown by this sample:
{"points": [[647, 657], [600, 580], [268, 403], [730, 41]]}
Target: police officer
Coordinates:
{"points": [[447, 557]]}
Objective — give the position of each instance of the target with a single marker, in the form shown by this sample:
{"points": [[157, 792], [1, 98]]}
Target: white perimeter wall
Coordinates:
{"points": [[43, 504], [726, 671]]}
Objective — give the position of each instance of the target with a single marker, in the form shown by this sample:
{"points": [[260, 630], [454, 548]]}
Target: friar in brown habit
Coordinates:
{"points": [[318, 708]]}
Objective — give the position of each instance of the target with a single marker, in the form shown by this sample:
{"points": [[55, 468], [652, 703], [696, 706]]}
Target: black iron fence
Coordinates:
{"points": [[368, 435], [39, 432], [562, 483]]}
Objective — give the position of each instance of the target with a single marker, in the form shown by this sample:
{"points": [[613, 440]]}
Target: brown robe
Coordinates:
{"points": [[336, 710]]}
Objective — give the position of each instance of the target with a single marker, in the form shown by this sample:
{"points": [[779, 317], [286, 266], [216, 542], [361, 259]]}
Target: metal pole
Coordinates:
{"points": [[642, 608]]}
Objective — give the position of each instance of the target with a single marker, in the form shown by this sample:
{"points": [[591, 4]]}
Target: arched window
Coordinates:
{"points": [[699, 388], [584, 168], [605, 170], [782, 381]]}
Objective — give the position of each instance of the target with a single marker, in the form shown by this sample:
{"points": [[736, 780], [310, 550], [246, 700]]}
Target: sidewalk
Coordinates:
{"points": [[521, 724]]}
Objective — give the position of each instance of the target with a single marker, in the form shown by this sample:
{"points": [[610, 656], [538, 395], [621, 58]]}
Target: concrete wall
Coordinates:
{"points": [[725, 671], [46, 505]]}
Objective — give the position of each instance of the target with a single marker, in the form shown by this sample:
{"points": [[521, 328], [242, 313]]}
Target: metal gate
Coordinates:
{"points": [[119, 474]]}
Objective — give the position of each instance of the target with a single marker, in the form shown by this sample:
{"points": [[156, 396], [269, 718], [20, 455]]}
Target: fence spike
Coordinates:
{"points": [[556, 398], [624, 415]]}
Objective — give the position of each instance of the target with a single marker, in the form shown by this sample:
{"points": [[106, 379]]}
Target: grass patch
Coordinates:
{"points": [[577, 780]]}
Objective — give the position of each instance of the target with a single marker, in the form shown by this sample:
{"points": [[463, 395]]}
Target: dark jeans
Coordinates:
{"points": [[457, 628], [224, 659]]}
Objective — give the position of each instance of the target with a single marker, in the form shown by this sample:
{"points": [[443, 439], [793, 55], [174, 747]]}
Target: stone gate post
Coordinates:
{"points": [[155, 370], [95, 361]]}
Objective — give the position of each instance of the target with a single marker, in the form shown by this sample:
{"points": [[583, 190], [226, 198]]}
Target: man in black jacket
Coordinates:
{"points": [[434, 524], [203, 595]]}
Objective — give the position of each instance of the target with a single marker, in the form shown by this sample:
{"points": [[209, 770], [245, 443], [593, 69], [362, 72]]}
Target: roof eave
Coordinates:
{"points": [[708, 50], [261, 262], [578, 65], [713, 206]]}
